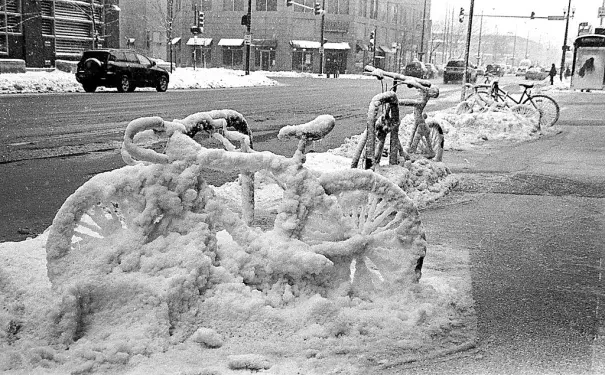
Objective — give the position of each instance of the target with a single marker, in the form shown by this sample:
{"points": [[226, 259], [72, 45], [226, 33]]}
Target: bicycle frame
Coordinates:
{"points": [[378, 128], [500, 95]]}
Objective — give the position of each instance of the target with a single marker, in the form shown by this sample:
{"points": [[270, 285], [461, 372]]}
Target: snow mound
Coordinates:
{"points": [[181, 78]]}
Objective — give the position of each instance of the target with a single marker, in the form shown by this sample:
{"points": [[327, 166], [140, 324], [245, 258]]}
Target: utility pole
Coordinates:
{"points": [[249, 36], [565, 47], [468, 48], [479, 44], [514, 47], [445, 37], [422, 52], [321, 37]]}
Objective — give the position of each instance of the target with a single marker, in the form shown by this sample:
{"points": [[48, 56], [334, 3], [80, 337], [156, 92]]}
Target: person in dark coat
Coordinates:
{"points": [[552, 73]]}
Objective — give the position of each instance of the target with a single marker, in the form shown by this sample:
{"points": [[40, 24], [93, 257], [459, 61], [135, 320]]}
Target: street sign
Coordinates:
{"points": [[601, 12], [556, 18], [247, 39], [321, 50]]}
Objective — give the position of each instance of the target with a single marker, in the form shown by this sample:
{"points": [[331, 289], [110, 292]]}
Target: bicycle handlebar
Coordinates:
{"points": [[420, 84]]}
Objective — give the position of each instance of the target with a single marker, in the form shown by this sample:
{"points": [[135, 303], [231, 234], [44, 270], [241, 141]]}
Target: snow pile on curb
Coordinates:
{"points": [[181, 78]]}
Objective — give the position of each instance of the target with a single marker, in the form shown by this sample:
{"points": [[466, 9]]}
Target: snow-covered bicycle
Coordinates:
{"points": [[349, 231], [426, 138]]}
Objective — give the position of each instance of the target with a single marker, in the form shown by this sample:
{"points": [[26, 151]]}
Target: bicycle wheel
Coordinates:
{"points": [[114, 212], [370, 230], [548, 108], [435, 138]]}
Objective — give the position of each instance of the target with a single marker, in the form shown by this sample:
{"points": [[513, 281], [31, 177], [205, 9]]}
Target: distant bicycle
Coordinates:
{"points": [[484, 97], [426, 139]]}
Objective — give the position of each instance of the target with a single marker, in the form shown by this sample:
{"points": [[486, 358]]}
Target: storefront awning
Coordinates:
{"points": [[231, 42], [175, 40], [386, 49], [264, 43], [204, 42], [304, 44], [337, 46], [361, 47]]}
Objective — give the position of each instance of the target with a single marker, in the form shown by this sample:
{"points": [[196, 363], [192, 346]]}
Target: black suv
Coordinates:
{"points": [[124, 69], [495, 69], [454, 71]]}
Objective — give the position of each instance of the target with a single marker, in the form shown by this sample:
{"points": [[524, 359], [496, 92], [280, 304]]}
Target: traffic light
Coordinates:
{"points": [[371, 46], [288, 3], [200, 19], [245, 20], [317, 9], [461, 16], [532, 15]]}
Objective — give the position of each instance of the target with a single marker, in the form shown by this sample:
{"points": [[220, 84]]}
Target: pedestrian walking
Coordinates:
{"points": [[552, 73]]}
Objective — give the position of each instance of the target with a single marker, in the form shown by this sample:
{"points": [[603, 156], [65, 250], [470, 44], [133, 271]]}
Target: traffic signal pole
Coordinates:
{"points": [[248, 31], [321, 37], [565, 47]]}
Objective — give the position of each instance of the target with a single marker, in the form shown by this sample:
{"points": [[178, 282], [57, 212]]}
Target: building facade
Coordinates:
{"points": [[41, 31], [282, 37]]}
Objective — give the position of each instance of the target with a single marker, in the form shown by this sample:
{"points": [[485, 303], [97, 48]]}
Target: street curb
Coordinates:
{"points": [[440, 353]]}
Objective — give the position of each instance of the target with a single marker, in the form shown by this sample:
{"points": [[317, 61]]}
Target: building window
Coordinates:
{"points": [[309, 3], [266, 5], [10, 16], [363, 8], [302, 61], [264, 59], [232, 56], [338, 7], [233, 5], [374, 9]]}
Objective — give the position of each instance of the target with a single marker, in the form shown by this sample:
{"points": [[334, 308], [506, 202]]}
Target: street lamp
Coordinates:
{"points": [[421, 53], [565, 46]]}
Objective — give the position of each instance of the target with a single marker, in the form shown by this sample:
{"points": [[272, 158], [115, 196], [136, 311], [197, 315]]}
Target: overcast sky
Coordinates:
{"points": [[537, 29]]}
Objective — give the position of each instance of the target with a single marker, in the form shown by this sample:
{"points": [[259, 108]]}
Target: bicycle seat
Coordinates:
{"points": [[313, 130], [527, 85]]}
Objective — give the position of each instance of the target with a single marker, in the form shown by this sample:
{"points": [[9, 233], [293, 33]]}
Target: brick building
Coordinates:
{"points": [[282, 37]]}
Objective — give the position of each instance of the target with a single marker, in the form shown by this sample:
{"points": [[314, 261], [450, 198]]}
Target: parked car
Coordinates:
{"points": [[536, 74], [432, 71], [495, 69], [416, 69], [454, 71], [123, 69]]}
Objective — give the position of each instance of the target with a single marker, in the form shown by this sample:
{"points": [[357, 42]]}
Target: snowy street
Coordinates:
{"points": [[512, 275]]}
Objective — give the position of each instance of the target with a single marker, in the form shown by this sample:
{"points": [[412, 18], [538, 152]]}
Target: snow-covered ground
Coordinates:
{"points": [[181, 78], [137, 327]]}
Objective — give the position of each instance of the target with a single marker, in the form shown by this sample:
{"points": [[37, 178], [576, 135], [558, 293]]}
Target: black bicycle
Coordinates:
{"points": [[484, 97]]}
